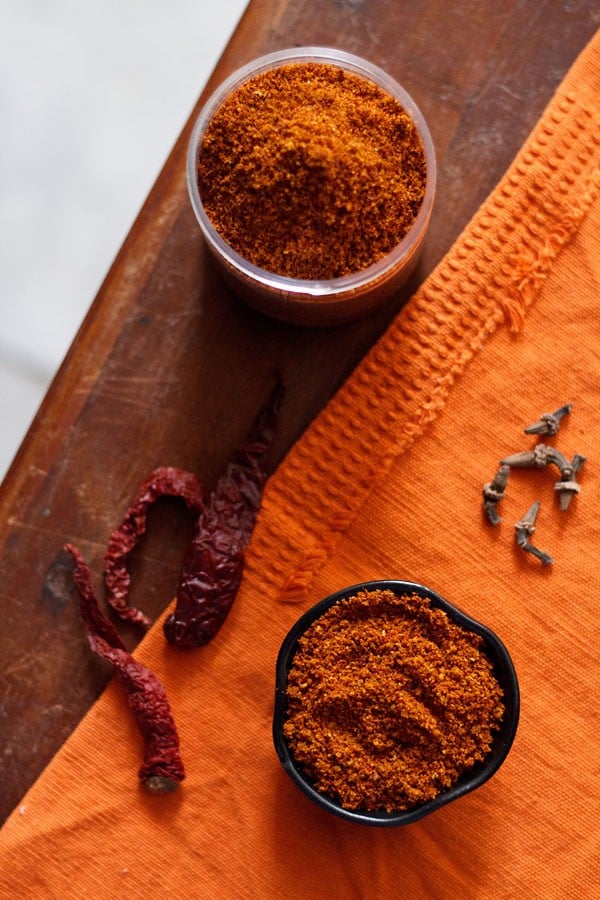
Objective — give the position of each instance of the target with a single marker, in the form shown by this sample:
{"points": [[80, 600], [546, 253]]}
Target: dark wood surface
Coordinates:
{"points": [[169, 367]]}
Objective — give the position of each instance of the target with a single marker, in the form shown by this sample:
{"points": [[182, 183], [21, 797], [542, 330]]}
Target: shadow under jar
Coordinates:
{"points": [[312, 175], [388, 694]]}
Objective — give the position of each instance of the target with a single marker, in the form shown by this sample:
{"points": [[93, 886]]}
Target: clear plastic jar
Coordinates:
{"points": [[299, 301]]}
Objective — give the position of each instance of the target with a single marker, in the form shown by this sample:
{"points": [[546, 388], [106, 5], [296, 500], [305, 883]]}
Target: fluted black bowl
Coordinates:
{"points": [[471, 779]]}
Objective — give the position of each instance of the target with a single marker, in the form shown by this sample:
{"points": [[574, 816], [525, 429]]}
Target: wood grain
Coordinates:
{"points": [[169, 368]]}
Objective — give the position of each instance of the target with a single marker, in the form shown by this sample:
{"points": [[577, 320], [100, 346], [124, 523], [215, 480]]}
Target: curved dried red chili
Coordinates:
{"points": [[162, 769], [213, 567], [164, 481]]}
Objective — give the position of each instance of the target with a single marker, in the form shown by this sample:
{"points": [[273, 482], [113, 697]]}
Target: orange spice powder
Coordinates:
{"points": [[389, 701], [311, 172]]}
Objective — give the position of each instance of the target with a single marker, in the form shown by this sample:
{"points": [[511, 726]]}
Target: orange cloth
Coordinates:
{"points": [[387, 483]]}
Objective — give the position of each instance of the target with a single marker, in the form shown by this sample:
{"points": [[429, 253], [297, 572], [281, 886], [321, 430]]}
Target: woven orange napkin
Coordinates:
{"points": [[387, 483]]}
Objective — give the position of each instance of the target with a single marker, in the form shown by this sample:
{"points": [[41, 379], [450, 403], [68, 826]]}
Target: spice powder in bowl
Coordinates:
{"points": [[390, 702], [312, 175]]}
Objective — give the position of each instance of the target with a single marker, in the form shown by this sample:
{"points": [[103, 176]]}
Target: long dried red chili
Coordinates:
{"points": [[162, 769], [164, 481], [212, 569]]}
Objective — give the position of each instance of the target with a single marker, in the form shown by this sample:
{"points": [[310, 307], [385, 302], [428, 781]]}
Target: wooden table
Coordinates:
{"points": [[170, 368]]}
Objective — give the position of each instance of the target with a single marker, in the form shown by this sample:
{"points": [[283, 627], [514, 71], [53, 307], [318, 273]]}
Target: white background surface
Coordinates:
{"points": [[92, 98]]}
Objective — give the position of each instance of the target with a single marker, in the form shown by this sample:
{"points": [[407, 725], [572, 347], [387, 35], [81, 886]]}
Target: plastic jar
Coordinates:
{"points": [[295, 300]]}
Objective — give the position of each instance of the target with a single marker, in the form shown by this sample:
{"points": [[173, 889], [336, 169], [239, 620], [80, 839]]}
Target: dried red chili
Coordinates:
{"points": [[212, 569], [213, 566], [162, 769], [165, 481]]}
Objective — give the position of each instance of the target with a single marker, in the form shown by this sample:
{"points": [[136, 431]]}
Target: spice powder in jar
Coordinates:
{"points": [[311, 172], [389, 701]]}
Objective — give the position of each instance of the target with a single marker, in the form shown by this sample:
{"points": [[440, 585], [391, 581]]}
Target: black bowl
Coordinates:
{"points": [[473, 778]]}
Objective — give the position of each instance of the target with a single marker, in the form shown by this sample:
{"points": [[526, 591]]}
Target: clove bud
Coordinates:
{"points": [[543, 455], [549, 423], [523, 531], [567, 486], [493, 493]]}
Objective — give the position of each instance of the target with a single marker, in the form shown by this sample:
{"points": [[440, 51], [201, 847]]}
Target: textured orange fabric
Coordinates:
{"points": [[387, 483]]}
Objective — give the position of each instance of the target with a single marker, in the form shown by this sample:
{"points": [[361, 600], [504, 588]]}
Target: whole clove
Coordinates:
{"points": [[543, 455], [493, 493], [549, 423], [539, 457], [524, 528], [567, 485]]}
